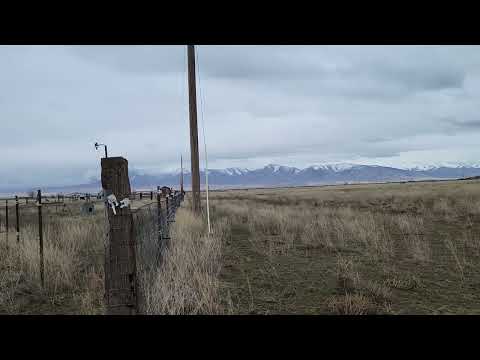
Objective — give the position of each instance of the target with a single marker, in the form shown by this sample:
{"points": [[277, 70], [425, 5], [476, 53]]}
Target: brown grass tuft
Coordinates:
{"points": [[351, 304]]}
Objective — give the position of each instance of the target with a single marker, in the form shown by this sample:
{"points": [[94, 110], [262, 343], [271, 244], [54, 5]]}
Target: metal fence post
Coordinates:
{"points": [[6, 218], [159, 217], [167, 207], [17, 219], [40, 236]]}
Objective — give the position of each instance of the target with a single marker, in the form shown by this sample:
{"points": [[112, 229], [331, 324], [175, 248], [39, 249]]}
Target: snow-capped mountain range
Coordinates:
{"points": [[279, 175], [274, 175]]}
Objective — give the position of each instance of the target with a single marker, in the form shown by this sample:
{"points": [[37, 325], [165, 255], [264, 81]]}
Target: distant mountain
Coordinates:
{"points": [[279, 175], [274, 175]]}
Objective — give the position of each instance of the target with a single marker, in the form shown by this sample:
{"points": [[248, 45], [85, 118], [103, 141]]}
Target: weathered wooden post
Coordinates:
{"points": [[40, 236], [195, 174], [120, 264], [17, 219]]}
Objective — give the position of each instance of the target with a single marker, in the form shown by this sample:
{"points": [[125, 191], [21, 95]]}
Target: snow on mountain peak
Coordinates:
{"points": [[334, 167], [422, 167], [234, 171], [342, 166], [444, 164], [273, 167], [281, 168]]}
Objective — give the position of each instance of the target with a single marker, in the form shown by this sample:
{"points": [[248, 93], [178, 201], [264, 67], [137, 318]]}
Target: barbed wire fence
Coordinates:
{"points": [[152, 224], [41, 220], [46, 221]]}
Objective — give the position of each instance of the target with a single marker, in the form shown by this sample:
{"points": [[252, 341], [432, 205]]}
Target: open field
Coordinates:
{"points": [[409, 248]]}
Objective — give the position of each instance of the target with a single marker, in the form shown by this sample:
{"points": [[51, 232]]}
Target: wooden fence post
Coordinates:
{"points": [[17, 218], [120, 262], [40, 235]]}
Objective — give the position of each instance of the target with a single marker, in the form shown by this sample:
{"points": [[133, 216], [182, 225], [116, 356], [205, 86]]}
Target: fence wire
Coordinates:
{"points": [[78, 228], [151, 223]]}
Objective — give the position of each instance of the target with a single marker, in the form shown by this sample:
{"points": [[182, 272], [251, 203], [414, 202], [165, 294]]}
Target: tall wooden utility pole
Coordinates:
{"points": [[192, 90]]}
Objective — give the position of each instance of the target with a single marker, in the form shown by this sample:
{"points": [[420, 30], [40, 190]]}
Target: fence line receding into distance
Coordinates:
{"points": [[150, 221]]}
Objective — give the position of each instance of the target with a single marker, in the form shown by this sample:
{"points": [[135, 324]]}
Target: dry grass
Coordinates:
{"points": [[367, 249], [73, 249], [357, 296], [412, 230], [283, 228], [347, 276], [188, 280], [387, 245], [350, 304]]}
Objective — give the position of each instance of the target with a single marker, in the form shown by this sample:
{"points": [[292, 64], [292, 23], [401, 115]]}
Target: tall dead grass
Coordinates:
{"points": [[397, 233], [187, 282], [412, 230], [73, 263], [282, 228], [357, 296]]}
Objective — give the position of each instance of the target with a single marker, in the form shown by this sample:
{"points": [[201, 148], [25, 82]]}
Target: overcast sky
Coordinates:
{"points": [[289, 105]]}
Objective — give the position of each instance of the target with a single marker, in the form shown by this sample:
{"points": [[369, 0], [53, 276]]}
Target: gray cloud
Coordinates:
{"points": [[464, 124], [296, 105]]}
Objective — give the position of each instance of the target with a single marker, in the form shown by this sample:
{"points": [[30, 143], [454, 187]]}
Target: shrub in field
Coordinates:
{"points": [[351, 304], [412, 230], [347, 277]]}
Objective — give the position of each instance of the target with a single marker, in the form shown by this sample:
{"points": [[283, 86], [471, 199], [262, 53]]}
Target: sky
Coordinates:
{"points": [[298, 106]]}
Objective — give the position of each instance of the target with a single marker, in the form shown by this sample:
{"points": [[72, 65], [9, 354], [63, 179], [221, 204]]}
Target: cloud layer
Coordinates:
{"points": [[295, 105]]}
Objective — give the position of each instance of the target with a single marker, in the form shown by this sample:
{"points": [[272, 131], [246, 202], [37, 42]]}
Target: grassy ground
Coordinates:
{"points": [[409, 248], [359, 249], [73, 252], [74, 249], [187, 282]]}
